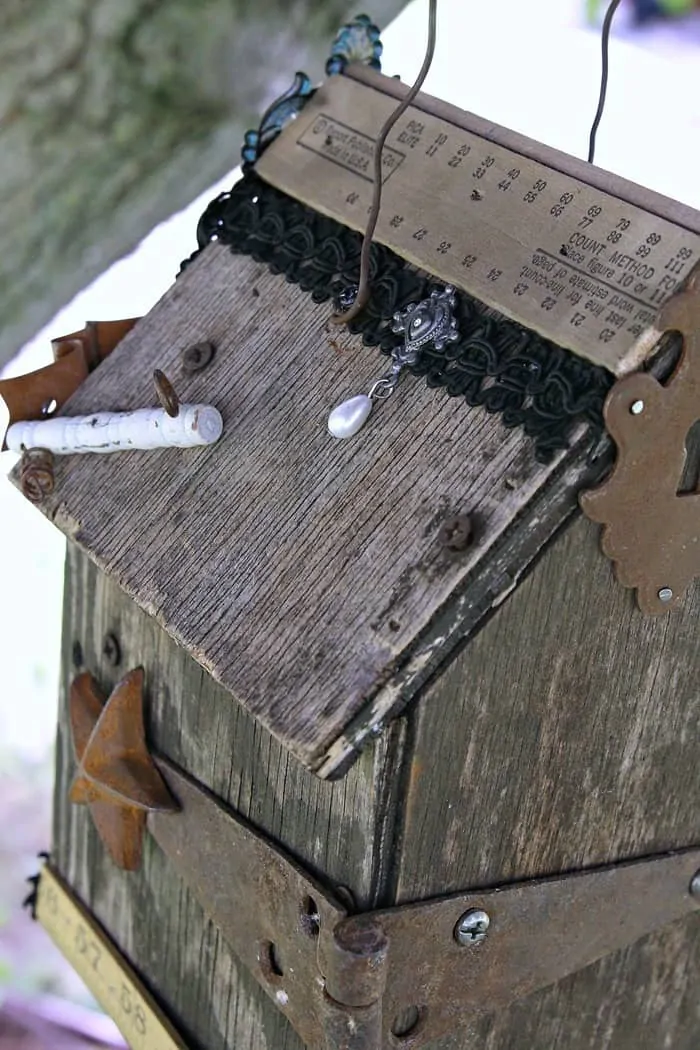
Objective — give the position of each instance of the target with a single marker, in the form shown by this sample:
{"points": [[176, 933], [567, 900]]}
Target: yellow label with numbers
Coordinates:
{"points": [[104, 970]]}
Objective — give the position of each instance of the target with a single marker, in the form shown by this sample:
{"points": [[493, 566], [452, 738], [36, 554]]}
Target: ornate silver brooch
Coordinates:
{"points": [[431, 321]]}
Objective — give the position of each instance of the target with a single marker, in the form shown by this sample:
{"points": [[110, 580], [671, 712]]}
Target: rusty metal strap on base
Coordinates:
{"points": [[269, 910], [345, 981], [480, 952], [356, 982]]}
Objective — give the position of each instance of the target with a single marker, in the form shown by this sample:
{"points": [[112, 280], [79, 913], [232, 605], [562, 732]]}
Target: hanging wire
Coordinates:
{"points": [[605, 44], [363, 291]]}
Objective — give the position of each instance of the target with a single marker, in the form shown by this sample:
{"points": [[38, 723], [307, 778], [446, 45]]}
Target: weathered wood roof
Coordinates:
{"points": [[300, 571]]}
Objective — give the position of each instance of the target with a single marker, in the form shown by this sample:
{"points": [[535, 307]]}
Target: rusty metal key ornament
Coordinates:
{"points": [[652, 532]]}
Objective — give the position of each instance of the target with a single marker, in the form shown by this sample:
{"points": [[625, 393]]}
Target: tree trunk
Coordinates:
{"points": [[114, 116]]}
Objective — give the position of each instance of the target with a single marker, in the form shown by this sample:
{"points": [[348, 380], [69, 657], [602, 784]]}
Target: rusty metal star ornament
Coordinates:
{"points": [[116, 778]]}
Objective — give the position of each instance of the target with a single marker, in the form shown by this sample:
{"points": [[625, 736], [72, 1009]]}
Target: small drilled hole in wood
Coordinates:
{"points": [[77, 654], [269, 961], [49, 407], [407, 1024], [310, 917], [394, 625], [690, 480]]}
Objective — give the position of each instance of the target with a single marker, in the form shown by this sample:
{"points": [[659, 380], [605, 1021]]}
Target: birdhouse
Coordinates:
{"points": [[365, 739]]}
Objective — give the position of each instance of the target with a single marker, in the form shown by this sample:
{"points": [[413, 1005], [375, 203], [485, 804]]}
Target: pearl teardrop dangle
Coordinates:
{"points": [[430, 321], [347, 418]]}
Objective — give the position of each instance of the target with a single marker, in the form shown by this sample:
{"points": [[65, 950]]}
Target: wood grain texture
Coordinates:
{"points": [[482, 590], [115, 115], [298, 570], [564, 736], [335, 830]]}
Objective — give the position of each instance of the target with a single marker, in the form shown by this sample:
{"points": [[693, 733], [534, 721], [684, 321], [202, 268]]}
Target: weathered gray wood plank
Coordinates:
{"points": [[298, 570], [481, 591], [565, 735], [334, 829], [115, 115]]}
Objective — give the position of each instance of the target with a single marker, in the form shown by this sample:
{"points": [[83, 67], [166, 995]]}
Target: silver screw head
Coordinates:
{"points": [[472, 928], [695, 885], [665, 594], [637, 407]]}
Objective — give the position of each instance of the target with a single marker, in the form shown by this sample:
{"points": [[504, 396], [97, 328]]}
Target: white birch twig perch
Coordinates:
{"points": [[145, 428]]}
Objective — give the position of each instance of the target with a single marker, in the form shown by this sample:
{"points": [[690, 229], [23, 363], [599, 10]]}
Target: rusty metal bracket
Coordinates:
{"points": [[400, 977], [42, 393], [652, 531], [529, 935]]}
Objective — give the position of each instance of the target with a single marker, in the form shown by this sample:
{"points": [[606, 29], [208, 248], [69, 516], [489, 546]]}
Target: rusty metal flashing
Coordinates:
{"points": [[400, 977], [346, 981]]}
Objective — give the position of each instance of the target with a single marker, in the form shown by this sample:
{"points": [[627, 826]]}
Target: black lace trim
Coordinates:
{"points": [[496, 364]]}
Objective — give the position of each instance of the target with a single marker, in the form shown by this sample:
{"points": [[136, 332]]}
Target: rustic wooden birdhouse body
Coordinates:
{"points": [[433, 770]]}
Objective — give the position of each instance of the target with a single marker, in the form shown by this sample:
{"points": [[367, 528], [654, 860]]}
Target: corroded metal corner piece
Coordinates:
{"points": [[651, 530]]}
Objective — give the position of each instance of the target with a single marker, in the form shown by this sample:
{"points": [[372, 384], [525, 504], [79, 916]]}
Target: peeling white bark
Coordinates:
{"points": [[146, 428]]}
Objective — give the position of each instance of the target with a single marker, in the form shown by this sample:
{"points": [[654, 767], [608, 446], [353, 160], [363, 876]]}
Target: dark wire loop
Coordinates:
{"points": [[605, 46], [363, 291]]}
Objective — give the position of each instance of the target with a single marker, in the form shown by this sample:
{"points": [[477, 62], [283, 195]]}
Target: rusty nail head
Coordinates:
{"points": [[695, 885], [197, 357], [166, 392], [36, 477], [472, 928], [456, 532], [111, 650]]}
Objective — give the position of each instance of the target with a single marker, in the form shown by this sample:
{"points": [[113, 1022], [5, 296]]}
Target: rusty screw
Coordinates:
{"points": [[111, 650], [196, 358], [36, 476], [166, 392], [472, 928], [456, 533]]}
